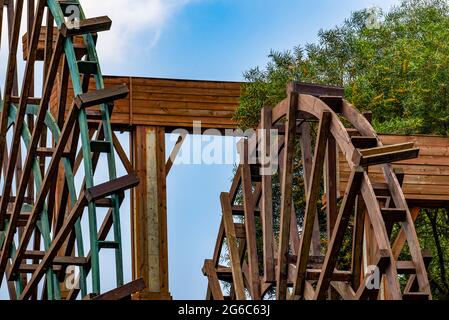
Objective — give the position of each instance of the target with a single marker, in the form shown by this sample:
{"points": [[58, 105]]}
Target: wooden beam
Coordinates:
{"points": [[231, 239], [307, 162], [174, 153], [341, 226], [214, 284], [267, 202], [381, 236], [123, 292], [286, 198], [250, 225], [311, 206], [150, 250]]}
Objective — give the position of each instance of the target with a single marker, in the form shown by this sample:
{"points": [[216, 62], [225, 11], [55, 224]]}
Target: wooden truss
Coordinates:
{"points": [[41, 152], [294, 263]]}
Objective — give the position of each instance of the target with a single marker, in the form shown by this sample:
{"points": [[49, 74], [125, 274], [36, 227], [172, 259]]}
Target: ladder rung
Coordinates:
{"points": [[101, 96], [30, 100], [93, 115], [100, 146], [112, 187], [59, 261], [48, 152], [88, 67], [30, 268], [104, 203], [393, 215], [87, 26], [239, 210], [32, 254], [70, 261], [361, 142], [108, 245]]}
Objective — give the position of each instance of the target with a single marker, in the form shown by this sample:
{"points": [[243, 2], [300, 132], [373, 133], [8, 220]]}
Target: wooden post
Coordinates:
{"points": [[149, 213]]}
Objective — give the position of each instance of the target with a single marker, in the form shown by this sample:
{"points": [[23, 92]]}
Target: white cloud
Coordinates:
{"points": [[134, 20]]}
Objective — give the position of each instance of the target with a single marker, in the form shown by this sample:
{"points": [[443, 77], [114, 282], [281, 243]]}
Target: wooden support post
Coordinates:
{"points": [[286, 200], [311, 206], [149, 225]]}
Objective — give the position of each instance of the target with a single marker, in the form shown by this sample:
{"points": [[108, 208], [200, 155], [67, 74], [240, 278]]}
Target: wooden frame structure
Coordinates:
{"points": [[295, 266], [40, 222], [47, 142]]}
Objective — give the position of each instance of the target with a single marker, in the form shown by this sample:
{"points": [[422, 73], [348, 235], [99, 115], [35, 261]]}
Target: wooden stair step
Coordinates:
{"points": [[393, 215], [107, 95], [112, 187], [385, 154], [100, 146], [87, 26], [30, 100], [108, 244], [88, 67], [334, 102], [362, 142], [414, 296]]}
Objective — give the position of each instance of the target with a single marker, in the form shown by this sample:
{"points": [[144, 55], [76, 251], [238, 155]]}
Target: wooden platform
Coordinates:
{"points": [[426, 178]]}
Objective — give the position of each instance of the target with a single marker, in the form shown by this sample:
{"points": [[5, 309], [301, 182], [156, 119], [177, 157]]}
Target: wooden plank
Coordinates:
{"points": [[86, 26], [174, 153], [250, 225], [97, 97], [55, 246], [123, 292], [315, 90], [267, 203], [313, 193], [286, 198], [387, 157], [231, 240], [338, 234], [381, 236], [112, 187], [214, 285], [331, 185]]}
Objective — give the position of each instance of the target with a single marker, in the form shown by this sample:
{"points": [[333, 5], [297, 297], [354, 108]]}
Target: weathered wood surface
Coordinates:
{"points": [[426, 177], [170, 103]]}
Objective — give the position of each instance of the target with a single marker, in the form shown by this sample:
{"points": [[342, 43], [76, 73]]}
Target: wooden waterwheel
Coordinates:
{"points": [[294, 262], [43, 149]]}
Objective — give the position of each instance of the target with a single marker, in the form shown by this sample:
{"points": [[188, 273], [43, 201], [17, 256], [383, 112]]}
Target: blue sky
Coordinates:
{"points": [[210, 40]]}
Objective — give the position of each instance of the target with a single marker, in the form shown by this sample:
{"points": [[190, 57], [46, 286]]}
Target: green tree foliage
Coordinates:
{"points": [[398, 68], [395, 64]]}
